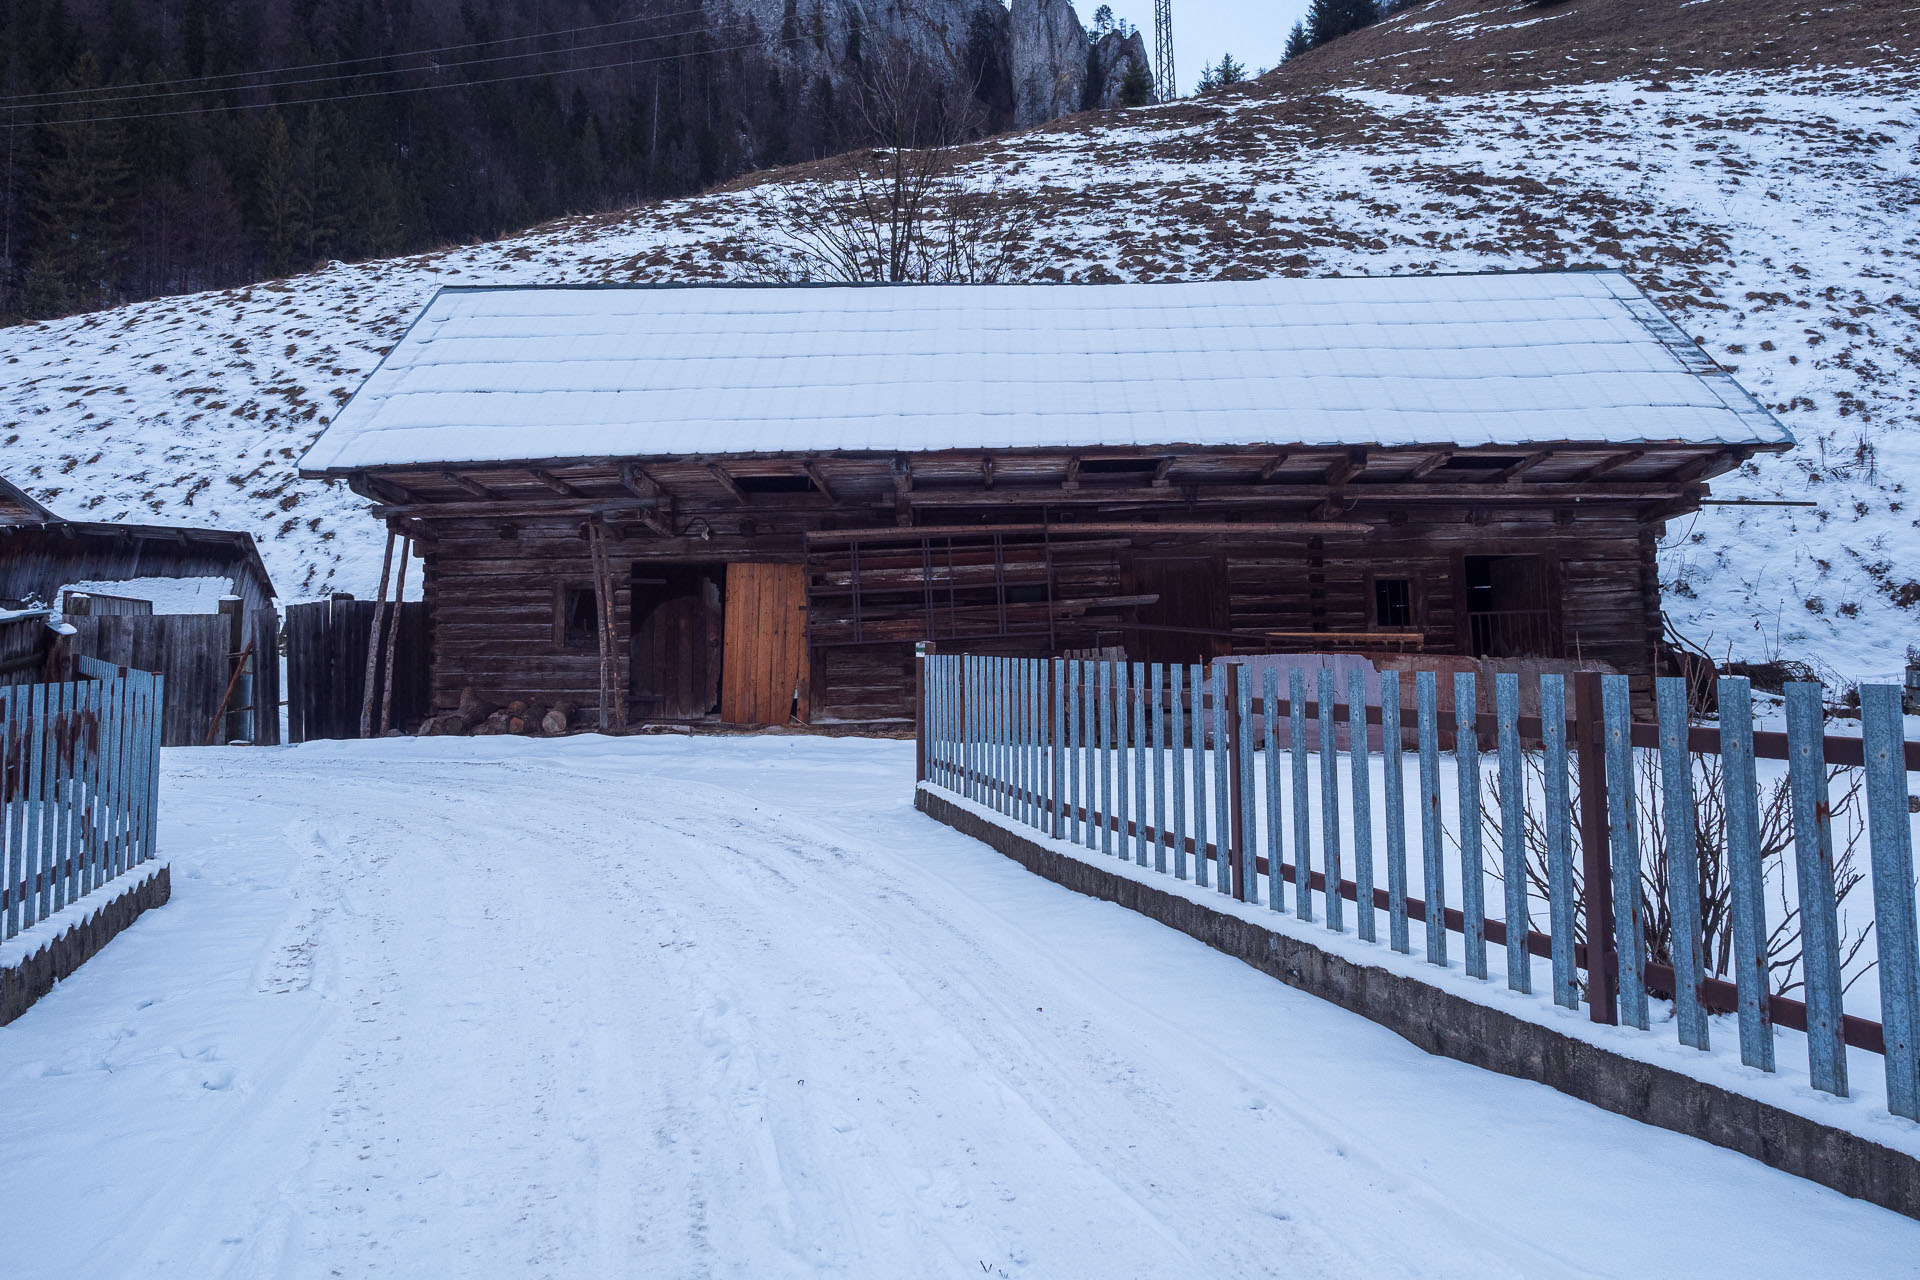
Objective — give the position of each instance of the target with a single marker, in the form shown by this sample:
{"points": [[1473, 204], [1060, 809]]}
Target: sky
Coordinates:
{"points": [[1254, 31]]}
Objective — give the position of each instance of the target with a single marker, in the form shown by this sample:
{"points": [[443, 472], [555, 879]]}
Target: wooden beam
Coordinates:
{"points": [[1143, 528], [1160, 473], [507, 509], [1385, 491], [473, 487], [1274, 464], [1521, 467], [1073, 473], [1349, 466], [902, 490], [554, 482], [719, 473], [819, 480], [635, 480], [986, 471], [1609, 464], [381, 490], [1428, 466], [1699, 467]]}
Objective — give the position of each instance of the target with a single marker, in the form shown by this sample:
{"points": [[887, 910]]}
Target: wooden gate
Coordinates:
{"points": [[765, 655], [327, 667]]}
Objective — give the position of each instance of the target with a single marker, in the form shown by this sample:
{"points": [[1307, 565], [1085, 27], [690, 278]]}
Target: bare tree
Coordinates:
{"points": [[898, 207], [1785, 967]]}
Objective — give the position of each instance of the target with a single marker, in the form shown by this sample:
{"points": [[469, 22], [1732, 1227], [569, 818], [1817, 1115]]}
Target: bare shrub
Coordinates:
{"points": [[898, 208], [1783, 946]]}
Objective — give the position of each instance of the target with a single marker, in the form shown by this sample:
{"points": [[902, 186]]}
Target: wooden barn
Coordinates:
{"points": [[152, 595], [745, 505]]}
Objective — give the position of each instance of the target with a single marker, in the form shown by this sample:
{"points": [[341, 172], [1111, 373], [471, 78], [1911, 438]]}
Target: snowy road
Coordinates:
{"points": [[673, 1008]]}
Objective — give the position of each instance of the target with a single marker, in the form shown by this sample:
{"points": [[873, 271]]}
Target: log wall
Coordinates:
{"points": [[495, 591]]}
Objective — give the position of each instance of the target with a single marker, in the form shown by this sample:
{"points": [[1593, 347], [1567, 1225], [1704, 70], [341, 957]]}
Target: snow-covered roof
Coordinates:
{"points": [[526, 373]]}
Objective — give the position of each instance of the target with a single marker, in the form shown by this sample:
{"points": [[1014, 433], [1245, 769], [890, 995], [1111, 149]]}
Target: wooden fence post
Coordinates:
{"points": [[919, 713], [1603, 1003]]}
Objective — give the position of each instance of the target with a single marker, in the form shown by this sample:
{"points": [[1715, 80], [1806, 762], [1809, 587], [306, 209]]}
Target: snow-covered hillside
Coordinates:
{"points": [[1776, 216]]}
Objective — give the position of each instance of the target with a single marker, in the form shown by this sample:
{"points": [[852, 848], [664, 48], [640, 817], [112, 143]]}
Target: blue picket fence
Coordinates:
{"points": [[1201, 776], [79, 787]]}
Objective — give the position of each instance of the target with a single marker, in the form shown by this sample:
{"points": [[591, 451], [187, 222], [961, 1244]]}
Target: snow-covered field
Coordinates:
{"points": [[680, 1007], [1773, 215]]}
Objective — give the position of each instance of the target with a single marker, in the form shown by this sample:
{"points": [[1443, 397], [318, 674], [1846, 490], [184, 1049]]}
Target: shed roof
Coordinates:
{"points": [[538, 372]]}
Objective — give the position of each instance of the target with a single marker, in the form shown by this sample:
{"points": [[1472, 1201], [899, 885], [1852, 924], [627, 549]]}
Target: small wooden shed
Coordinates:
{"points": [[747, 504]]}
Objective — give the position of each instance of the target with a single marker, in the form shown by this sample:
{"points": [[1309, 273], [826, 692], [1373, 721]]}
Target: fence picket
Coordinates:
{"points": [[1242, 740], [1104, 677], [13, 808], [1473, 883], [1745, 872], [1360, 787], [1176, 735], [7, 731], [1513, 850], [43, 772], [61, 794], [1159, 673], [1276, 857], [1553, 764], [1077, 757], [1089, 737], [1426, 708], [1121, 792], [1330, 804], [1302, 825], [1058, 757], [1199, 684], [1890, 833], [1222, 783], [1395, 800], [1624, 848], [1137, 699], [1683, 860], [1813, 867]]}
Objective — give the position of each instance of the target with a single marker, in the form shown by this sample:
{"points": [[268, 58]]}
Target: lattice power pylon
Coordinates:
{"points": [[1163, 83]]}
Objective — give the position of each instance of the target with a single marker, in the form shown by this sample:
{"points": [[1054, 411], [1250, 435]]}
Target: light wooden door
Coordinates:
{"points": [[765, 655]]}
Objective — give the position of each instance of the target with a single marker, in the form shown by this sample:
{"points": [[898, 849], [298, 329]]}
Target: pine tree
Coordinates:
{"points": [[79, 207], [1331, 19], [1297, 41], [1136, 87], [284, 223], [1230, 71]]}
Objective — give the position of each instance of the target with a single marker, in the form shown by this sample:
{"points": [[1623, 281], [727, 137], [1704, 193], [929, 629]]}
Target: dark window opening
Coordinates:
{"points": [[579, 619], [1118, 466], [1035, 593], [1479, 462], [1509, 606], [1393, 602], [774, 484]]}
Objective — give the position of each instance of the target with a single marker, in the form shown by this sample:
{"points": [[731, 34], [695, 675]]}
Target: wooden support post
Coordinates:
{"points": [[393, 638], [603, 617], [373, 640], [1603, 1003]]}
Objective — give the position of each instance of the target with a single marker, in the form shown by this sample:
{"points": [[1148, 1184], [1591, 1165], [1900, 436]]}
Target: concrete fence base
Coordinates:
{"points": [[1448, 1025], [24, 982]]}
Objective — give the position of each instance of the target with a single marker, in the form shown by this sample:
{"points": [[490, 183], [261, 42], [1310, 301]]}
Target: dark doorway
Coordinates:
{"points": [[678, 627], [1183, 625], [1511, 612]]}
